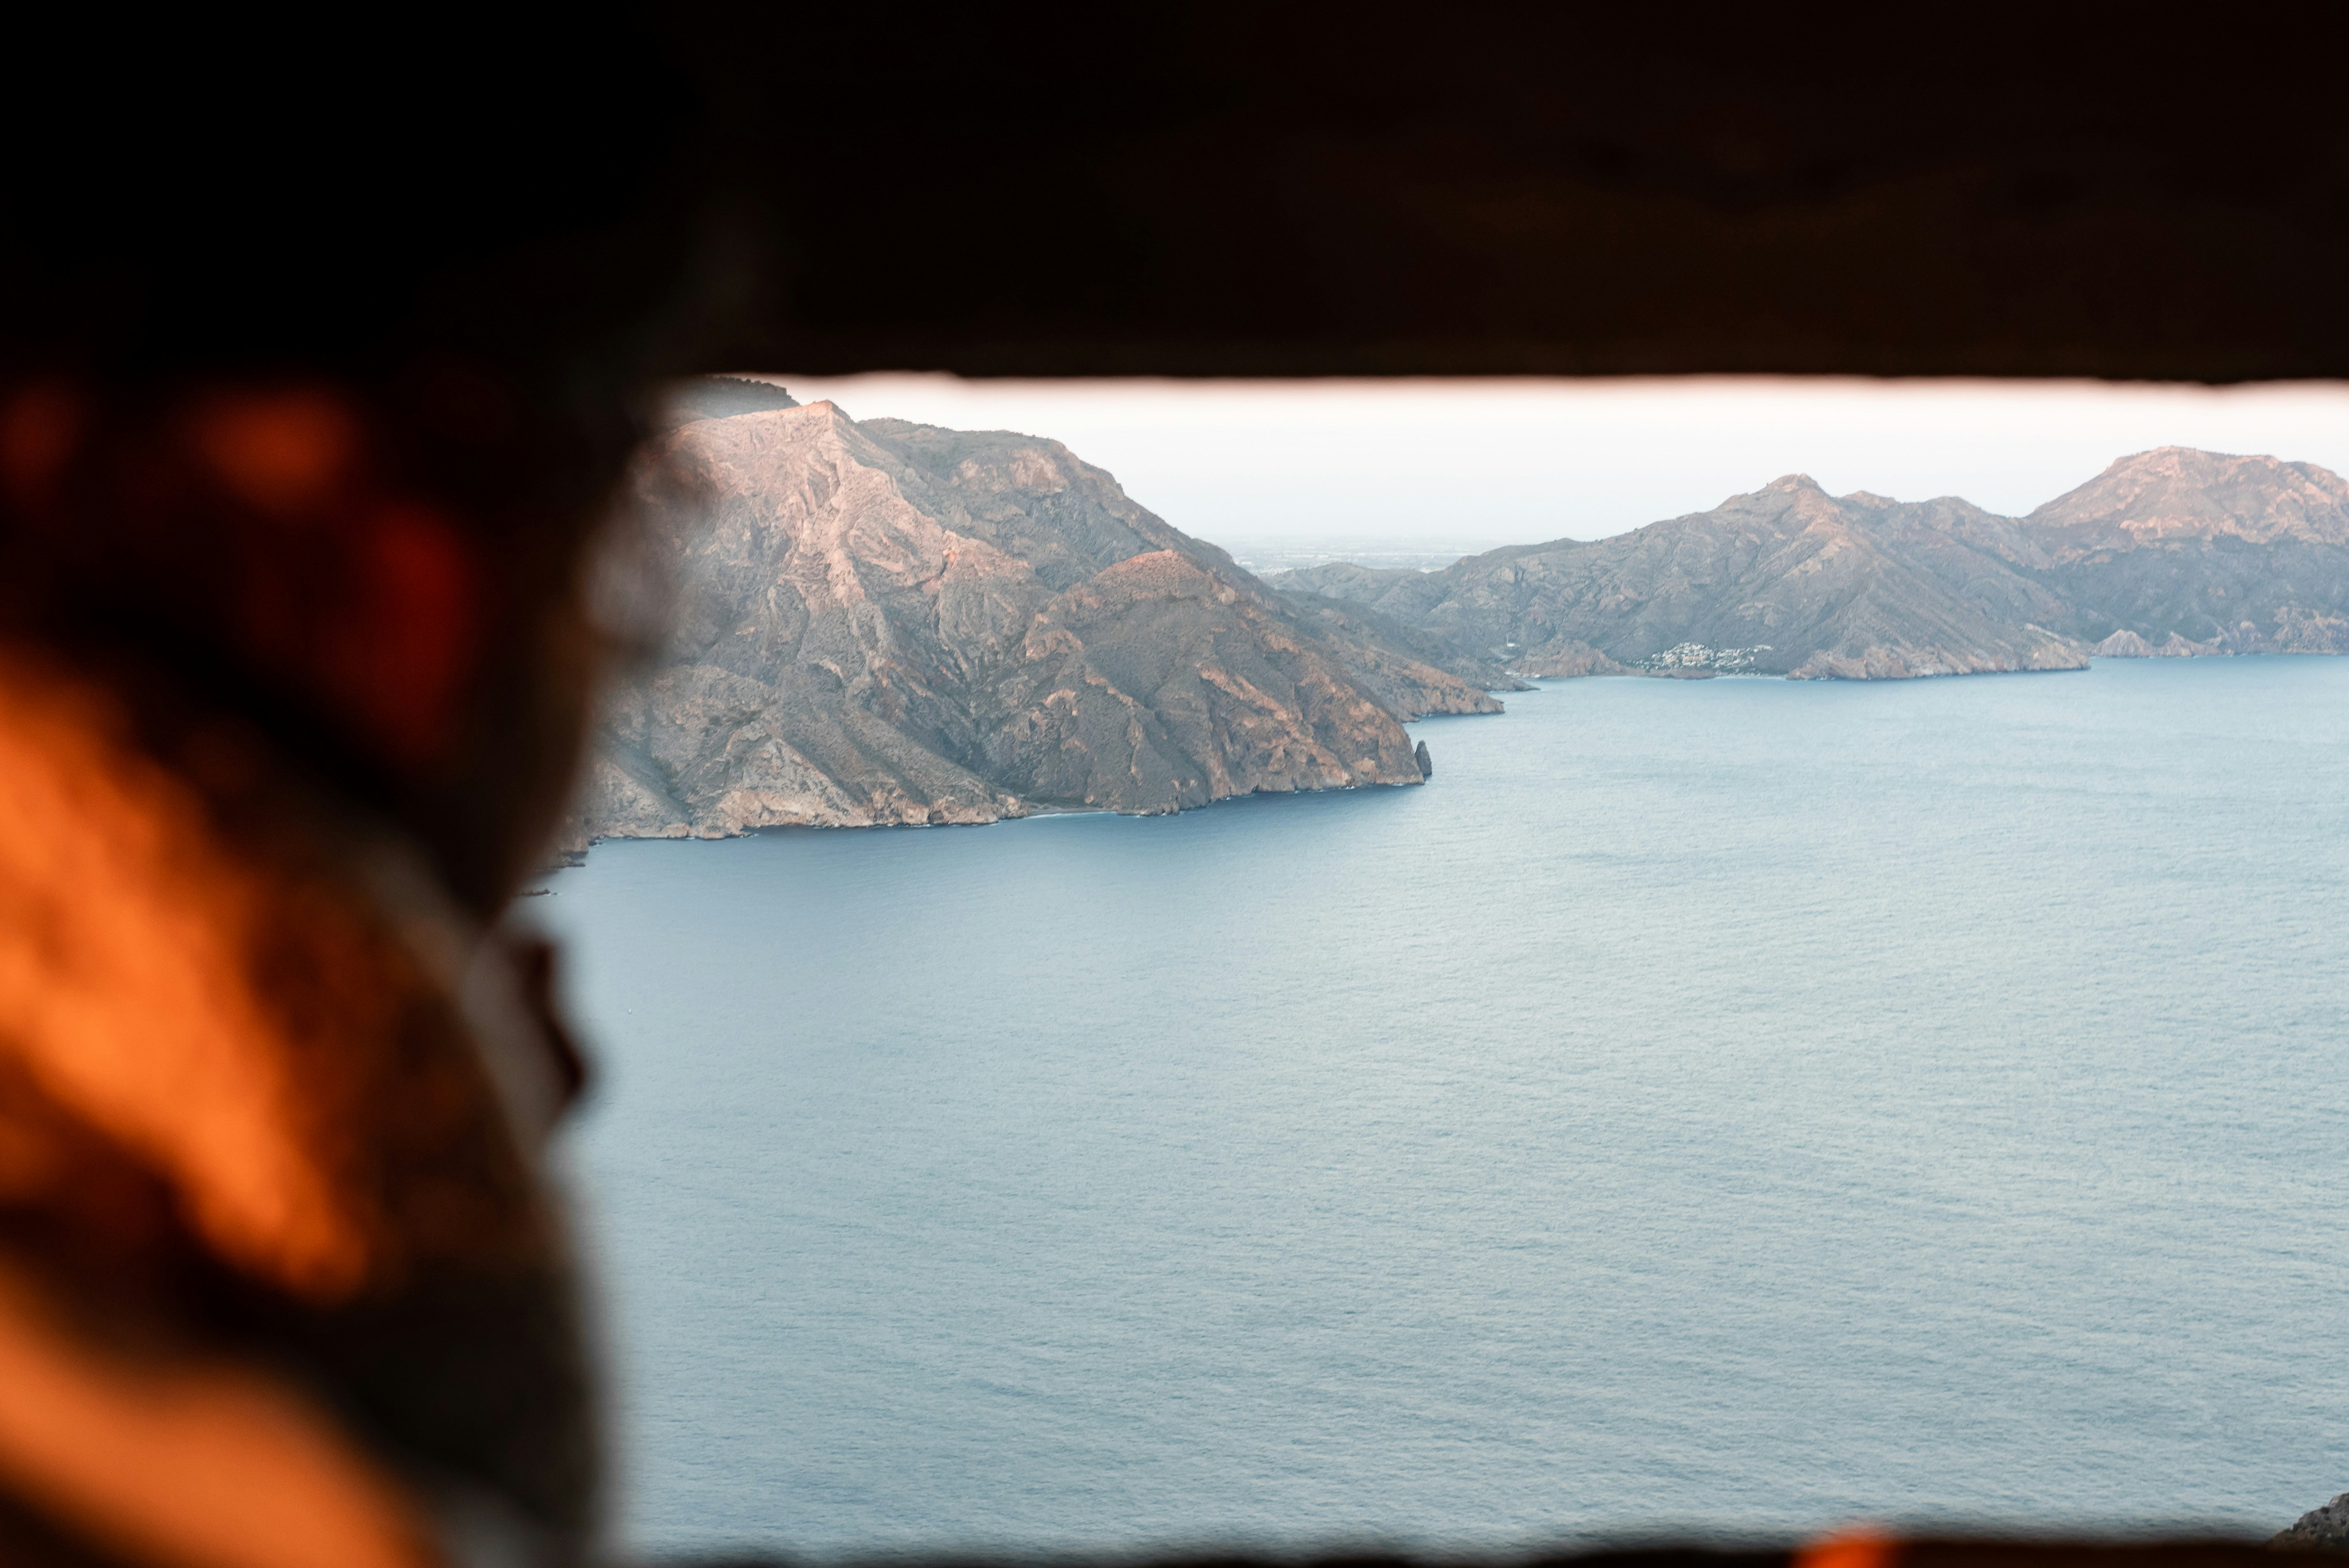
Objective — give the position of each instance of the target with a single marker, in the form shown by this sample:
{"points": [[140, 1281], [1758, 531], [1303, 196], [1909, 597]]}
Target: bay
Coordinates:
{"points": [[1729, 1107]]}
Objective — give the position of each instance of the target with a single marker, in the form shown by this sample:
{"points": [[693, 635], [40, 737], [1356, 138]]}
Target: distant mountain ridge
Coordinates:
{"points": [[1786, 581], [2172, 551]]}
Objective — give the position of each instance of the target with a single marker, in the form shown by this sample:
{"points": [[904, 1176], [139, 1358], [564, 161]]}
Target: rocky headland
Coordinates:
{"points": [[881, 622]]}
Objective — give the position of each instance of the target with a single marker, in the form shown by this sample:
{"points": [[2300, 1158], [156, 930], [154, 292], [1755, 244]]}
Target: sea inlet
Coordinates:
{"points": [[1707, 1106]]}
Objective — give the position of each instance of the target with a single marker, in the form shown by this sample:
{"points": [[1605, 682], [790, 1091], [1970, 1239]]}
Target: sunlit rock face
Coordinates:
{"points": [[2200, 552], [2127, 644], [882, 622], [2178, 493]]}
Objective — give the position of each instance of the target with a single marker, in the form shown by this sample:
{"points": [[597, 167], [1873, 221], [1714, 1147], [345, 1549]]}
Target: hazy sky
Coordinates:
{"points": [[1512, 461]]}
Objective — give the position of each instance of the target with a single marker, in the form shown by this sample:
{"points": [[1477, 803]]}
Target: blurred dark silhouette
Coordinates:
{"points": [[319, 366]]}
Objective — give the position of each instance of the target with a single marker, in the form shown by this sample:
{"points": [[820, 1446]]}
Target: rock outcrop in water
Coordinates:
{"points": [[883, 622], [2320, 1529], [2168, 554]]}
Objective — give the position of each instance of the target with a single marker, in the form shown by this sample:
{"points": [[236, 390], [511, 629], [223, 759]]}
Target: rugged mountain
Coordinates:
{"points": [[2178, 493], [2194, 552], [1787, 580], [2170, 552], [884, 622]]}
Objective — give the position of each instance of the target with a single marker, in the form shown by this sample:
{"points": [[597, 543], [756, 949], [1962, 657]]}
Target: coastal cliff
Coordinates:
{"points": [[884, 622]]}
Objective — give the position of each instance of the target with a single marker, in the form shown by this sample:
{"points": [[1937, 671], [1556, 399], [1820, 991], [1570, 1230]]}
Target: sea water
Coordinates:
{"points": [[1713, 1106]]}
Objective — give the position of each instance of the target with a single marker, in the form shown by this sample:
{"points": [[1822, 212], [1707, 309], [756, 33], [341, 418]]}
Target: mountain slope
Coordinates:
{"points": [[1787, 580], [2177, 492], [888, 622], [2170, 552], [2194, 551]]}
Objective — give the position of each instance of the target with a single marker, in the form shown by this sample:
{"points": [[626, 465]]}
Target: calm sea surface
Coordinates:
{"points": [[1731, 1104]]}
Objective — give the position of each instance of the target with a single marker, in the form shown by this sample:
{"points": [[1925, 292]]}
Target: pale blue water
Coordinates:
{"points": [[1737, 1104]]}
